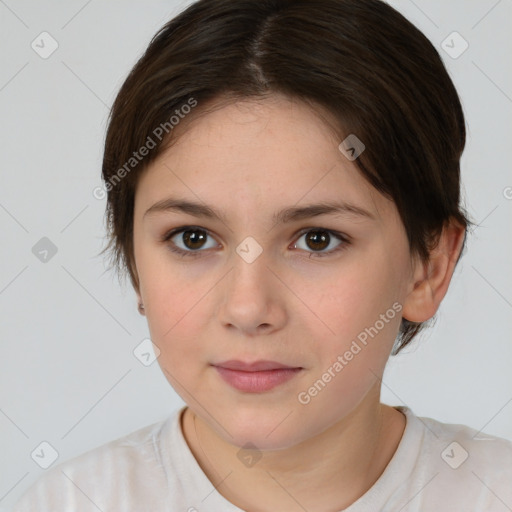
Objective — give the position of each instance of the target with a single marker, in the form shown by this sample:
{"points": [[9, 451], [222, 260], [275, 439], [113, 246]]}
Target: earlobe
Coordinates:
{"points": [[136, 286], [140, 303], [430, 280]]}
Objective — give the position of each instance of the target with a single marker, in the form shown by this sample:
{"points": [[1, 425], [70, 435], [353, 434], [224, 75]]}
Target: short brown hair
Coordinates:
{"points": [[373, 70]]}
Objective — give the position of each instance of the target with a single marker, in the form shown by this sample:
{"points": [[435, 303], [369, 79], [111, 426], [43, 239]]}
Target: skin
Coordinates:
{"points": [[248, 160]]}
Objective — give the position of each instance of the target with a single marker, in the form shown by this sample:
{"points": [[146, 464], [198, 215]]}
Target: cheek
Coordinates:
{"points": [[350, 362], [177, 314], [170, 287], [176, 322], [355, 298], [172, 299], [361, 305]]}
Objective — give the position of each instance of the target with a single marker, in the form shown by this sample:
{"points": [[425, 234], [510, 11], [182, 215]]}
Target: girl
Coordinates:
{"points": [[283, 191]]}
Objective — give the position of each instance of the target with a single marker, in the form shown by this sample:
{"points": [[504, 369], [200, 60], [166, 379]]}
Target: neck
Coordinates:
{"points": [[339, 465]]}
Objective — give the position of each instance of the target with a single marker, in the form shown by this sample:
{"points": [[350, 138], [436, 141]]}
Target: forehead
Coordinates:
{"points": [[257, 123], [254, 152]]}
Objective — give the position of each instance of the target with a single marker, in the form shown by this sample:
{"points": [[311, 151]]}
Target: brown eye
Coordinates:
{"points": [[317, 240], [194, 239], [189, 241], [321, 242]]}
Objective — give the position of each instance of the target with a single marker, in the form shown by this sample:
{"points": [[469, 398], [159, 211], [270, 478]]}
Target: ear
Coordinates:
{"points": [[430, 280], [140, 304], [134, 277]]}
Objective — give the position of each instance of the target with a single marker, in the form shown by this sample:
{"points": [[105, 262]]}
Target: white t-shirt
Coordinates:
{"points": [[437, 467]]}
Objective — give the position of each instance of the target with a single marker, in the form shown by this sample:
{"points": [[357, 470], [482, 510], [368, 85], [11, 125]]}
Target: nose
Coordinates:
{"points": [[252, 298]]}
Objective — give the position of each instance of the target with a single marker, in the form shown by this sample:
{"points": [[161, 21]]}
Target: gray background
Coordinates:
{"points": [[68, 375]]}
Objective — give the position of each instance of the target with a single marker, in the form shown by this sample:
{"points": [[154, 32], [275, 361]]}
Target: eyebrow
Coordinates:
{"points": [[290, 214]]}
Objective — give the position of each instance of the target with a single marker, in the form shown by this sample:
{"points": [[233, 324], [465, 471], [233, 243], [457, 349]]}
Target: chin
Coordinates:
{"points": [[265, 433], [260, 440]]}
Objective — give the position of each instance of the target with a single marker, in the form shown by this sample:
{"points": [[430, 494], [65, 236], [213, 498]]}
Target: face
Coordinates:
{"points": [[256, 272]]}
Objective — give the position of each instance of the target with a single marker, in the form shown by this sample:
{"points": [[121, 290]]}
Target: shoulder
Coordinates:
{"points": [[458, 467], [109, 474], [461, 442]]}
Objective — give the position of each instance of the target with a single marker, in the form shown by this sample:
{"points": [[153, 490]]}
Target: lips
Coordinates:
{"points": [[257, 366], [256, 377]]}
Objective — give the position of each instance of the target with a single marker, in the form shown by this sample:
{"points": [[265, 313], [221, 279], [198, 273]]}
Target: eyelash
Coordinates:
{"points": [[345, 241]]}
